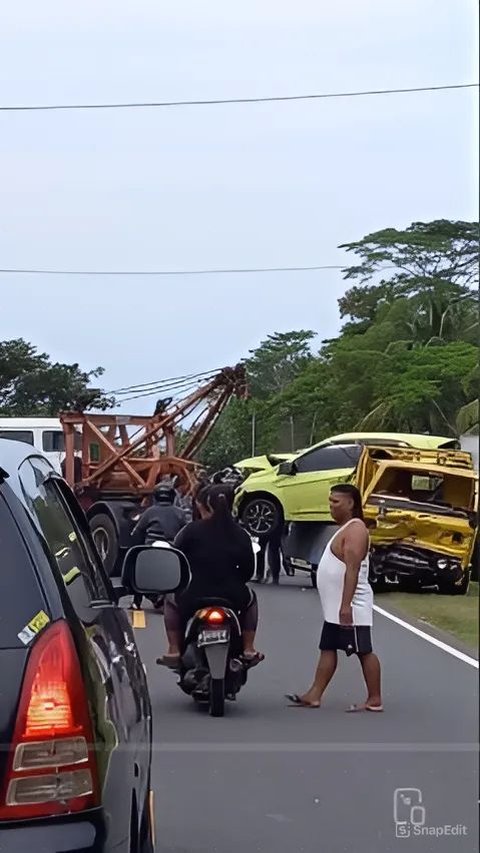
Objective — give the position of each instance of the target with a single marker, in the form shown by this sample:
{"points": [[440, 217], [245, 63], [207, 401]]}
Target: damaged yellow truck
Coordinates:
{"points": [[421, 507]]}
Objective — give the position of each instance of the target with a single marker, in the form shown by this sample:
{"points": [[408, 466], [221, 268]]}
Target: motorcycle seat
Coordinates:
{"points": [[213, 601]]}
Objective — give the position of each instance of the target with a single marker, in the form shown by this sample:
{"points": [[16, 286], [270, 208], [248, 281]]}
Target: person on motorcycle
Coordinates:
{"points": [[222, 561], [160, 522]]}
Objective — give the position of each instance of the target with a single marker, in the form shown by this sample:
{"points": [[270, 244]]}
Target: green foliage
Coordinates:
{"points": [[406, 358], [277, 362], [31, 385]]}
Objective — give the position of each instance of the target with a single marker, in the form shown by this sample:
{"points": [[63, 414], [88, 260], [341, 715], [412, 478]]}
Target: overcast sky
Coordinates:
{"points": [[277, 184]]}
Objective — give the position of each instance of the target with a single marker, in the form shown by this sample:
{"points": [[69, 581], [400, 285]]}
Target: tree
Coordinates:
{"points": [[424, 253], [231, 438], [277, 362], [434, 264], [405, 359], [31, 385], [422, 390]]}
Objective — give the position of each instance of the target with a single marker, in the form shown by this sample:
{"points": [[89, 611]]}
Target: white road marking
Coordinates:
{"points": [[428, 637]]}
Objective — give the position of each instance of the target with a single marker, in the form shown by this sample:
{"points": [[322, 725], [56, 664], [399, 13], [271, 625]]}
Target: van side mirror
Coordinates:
{"points": [[155, 571], [287, 469]]}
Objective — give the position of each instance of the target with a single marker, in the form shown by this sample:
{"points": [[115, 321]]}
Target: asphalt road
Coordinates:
{"points": [[272, 779]]}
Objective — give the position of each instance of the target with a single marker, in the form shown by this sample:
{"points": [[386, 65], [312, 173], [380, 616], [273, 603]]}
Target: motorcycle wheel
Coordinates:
{"points": [[217, 697]]}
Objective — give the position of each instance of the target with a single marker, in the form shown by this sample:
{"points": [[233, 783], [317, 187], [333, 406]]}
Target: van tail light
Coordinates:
{"points": [[52, 767]]}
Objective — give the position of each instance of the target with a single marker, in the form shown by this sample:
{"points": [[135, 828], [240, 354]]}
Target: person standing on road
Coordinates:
{"points": [[347, 602], [270, 550]]}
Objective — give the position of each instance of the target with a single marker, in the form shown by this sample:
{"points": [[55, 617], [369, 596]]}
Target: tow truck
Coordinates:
{"points": [[122, 457]]}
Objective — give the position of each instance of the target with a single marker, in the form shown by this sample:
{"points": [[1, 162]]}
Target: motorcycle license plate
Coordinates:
{"points": [[208, 637], [301, 564]]}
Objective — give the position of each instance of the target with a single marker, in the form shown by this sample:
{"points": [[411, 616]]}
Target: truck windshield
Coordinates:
{"points": [[423, 487]]}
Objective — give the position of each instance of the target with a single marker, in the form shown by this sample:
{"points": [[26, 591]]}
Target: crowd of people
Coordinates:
{"points": [[223, 563]]}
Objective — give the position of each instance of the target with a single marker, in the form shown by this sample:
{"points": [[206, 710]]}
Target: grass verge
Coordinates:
{"points": [[457, 615]]}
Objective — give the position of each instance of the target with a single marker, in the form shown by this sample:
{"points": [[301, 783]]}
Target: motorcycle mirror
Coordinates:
{"points": [[155, 570]]}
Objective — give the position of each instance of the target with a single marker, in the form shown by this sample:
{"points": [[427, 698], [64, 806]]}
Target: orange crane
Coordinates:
{"points": [[123, 457]]}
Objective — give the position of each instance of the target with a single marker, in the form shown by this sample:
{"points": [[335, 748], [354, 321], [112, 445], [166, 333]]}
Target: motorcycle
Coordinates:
{"points": [[211, 668]]}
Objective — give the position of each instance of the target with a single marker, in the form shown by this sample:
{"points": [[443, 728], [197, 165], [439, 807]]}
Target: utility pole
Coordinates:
{"points": [[253, 433]]}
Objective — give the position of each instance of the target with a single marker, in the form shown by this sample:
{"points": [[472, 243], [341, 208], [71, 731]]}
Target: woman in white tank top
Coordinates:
{"points": [[347, 602]]}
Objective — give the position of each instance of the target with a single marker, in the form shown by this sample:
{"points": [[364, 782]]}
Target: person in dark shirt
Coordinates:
{"points": [[160, 522], [222, 561]]}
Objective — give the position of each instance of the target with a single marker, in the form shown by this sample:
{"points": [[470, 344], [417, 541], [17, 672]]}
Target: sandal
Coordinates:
{"points": [[252, 660], [170, 661], [356, 709], [298, 702]]}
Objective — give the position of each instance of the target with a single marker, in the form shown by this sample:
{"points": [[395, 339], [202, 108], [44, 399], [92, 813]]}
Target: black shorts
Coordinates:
{"points": [[351, 640]]}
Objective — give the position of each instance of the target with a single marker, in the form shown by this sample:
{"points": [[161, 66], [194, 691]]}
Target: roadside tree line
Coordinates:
{"points": [[406, 358]]}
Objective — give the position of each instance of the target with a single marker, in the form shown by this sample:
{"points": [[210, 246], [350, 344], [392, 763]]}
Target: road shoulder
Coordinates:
{"points": [[386, 602]]}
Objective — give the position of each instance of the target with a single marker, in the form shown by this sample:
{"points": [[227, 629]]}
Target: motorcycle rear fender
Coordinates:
{"points": [[217, 659]]}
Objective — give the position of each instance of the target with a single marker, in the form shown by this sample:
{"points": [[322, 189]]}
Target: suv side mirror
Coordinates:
{"points": [[287, 468], [155, 571]]}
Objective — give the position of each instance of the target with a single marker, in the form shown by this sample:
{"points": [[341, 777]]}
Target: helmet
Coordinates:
{"points": [[164, 493]]}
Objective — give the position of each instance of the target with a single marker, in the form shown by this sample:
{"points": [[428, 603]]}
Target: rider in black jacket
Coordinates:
{"points": [[160, 522]]}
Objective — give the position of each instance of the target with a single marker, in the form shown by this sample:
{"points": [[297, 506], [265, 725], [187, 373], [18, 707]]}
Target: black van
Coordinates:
{"points": [[75, 715]]}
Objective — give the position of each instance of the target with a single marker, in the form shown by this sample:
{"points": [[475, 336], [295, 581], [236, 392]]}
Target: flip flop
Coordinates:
{"points": [[356, 709], [297, 702], [170, 661], [253, 660]]}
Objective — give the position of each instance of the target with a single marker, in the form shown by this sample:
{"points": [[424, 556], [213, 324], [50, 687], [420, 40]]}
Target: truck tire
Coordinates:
{"points": [[105, 536], [476, 559], [261, 515], [449, 588]]}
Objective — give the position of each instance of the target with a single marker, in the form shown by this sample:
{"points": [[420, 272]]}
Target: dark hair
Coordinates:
{"points": [[353, 493], [219, 499]]}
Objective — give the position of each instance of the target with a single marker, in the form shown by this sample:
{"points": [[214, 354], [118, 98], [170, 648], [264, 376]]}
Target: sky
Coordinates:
{"points": [[276, 184]]}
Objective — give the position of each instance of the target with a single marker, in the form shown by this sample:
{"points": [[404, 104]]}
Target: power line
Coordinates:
{"points": [[220, 101], [171, 272], [165, 383]]}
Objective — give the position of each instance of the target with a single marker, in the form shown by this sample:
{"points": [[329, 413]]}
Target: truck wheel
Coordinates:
{"points": [[217, 697], [105, 537], [410, 585], [261, 515], [378, 584], [449, 588], [476, 559]]}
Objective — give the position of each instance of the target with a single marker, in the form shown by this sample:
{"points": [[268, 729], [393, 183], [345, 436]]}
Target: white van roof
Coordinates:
{"points": [[30, 423]]}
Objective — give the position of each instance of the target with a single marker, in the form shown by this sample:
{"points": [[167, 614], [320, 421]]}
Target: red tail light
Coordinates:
{"points": [[215, 617], [52, 769]]}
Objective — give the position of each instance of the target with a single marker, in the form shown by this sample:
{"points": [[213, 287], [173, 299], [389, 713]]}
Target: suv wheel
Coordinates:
{"points": [[261, 516]]}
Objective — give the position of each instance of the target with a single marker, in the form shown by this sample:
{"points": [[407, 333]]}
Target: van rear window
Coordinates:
{"points": [[21, 599]]}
